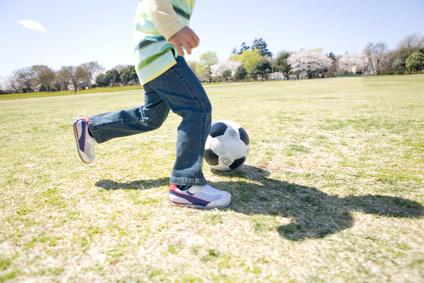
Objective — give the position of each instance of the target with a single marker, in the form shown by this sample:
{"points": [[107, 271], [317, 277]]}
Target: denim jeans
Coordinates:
{"points": [[179, 90]]}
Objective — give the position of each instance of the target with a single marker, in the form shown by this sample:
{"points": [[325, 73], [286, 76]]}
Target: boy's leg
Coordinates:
{"points": [[121, 123], [103, 127], [184, 94]]}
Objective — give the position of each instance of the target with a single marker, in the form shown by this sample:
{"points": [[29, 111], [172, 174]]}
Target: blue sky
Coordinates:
{"points": [[81, 31]]}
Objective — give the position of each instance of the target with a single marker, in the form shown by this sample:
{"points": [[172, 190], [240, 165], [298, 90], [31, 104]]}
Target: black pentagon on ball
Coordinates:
{"points": [[243, 136], [218, 129], [211, 158], [237, 163]]}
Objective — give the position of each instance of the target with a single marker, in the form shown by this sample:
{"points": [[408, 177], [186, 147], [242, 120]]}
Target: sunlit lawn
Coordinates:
{"points": [[332, 190]]}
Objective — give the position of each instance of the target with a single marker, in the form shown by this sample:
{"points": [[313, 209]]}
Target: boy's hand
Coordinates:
{"points": [[185, 38]]}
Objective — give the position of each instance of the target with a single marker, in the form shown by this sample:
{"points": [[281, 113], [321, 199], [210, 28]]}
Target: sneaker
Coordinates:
{"points": [[199, 196], [85, 143]]}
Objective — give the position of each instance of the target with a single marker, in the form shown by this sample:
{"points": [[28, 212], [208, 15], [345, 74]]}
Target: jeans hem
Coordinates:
{"points": [[92, 127], [188, 181]]}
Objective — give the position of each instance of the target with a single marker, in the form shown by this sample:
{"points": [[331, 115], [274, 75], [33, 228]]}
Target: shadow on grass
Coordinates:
{"points": [[133, 185], [313, 213]]}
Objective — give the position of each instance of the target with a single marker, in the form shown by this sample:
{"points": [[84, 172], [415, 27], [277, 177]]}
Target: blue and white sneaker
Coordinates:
{"points": [[85, 143], [199, 196]]}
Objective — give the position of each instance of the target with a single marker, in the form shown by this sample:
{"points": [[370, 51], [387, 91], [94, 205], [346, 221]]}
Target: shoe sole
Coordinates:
{"points": [[200, 206], [83, 158]]}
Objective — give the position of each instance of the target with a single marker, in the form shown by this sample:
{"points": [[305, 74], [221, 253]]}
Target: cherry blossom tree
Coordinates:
{"points": [[219, 68], [312, 62], [351, 63]]}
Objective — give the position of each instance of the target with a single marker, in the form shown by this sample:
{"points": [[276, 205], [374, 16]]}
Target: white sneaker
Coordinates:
{"points": [[85, 143], [199, 196]]}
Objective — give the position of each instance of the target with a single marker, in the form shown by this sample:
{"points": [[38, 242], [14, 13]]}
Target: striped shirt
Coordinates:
{"points": [[156, 22]]}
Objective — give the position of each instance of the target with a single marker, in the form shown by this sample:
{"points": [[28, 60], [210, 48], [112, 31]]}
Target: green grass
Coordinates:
{"points": [[332, 190], [67, 92]]}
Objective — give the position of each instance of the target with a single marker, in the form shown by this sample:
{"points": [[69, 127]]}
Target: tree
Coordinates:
{"points": [[415, 62], [333, 67], [44, 76], [92, 69], [406, 47], [220, 68], [128, 74], [282, 65], [332, 56], [350, 63], [25, 78], [261, 67], [12, 84], [240, 73], [112, 77], [100, 80], [248, 58], [206, 61], [1, 89], [412, 40], [243, 47], [120, 67], [262, 46], [62, 79], [227, 74], [77, 75], [375, 56], [311, 62]]}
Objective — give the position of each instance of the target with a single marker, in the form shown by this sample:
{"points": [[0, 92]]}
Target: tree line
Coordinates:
{"points": [[86, 75], [245, 63], [256, 62]]}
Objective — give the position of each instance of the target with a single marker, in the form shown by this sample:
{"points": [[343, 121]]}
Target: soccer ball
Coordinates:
{"points": [[227, 146]]}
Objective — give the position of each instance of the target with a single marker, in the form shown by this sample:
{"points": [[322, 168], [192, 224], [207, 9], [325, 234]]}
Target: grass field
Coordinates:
{"points": [[332, 190], [14, 96]]}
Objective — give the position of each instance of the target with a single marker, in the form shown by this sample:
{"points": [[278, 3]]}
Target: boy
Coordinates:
{"points": [[161, 36]]}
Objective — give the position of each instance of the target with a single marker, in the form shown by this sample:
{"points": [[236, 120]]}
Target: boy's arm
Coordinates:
{"points": [[168, 24]]}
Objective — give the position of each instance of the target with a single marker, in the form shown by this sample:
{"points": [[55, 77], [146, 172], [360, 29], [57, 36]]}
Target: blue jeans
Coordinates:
{"points": [[179, 90]]}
